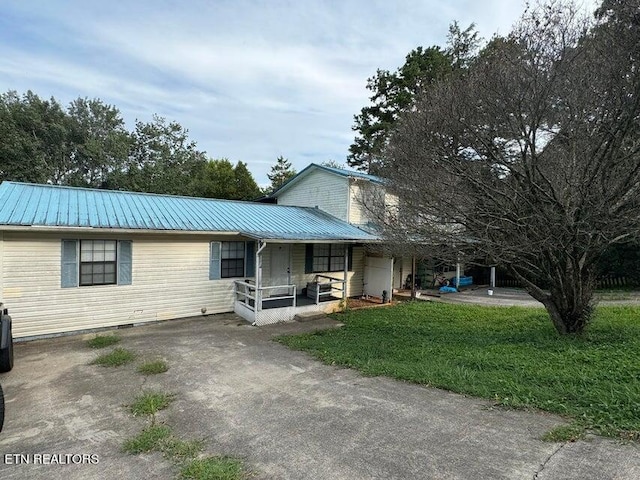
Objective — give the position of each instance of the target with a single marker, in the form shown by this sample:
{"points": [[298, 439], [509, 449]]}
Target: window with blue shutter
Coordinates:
{"points": [[69, 264], [96, 262], [125, 258]]}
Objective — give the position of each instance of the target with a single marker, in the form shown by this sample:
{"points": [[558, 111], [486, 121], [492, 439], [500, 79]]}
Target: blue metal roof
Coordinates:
{"points": [[23, 204]]}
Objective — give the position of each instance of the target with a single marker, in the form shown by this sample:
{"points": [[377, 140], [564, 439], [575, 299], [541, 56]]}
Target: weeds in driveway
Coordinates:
{"points": [[149, 439], [150, 403], [180, 450], [185, 454], [116, 358], [214, 468], [510, 355], [565, 433], [153, 367], [102, 341]]}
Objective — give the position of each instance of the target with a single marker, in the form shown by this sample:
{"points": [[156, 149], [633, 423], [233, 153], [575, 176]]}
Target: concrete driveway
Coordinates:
{"points": [[286, 415]]}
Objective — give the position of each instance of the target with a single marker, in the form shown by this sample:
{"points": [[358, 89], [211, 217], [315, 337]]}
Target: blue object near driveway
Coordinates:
{"points": [[464, 281], [447, 290]]}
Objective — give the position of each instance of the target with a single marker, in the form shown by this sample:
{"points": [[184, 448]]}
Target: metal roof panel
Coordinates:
{"points": [[24, 204]]}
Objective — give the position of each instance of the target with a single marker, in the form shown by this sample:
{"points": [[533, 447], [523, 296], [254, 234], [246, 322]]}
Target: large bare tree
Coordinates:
{"points": [[531, 157]]}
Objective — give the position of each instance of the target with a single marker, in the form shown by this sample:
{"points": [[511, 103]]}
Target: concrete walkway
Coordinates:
{"points": [[286, 415], [516, 297]]}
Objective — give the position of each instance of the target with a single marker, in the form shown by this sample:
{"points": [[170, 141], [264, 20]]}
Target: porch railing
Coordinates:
{"points": [[330, 283], [253, 297]]}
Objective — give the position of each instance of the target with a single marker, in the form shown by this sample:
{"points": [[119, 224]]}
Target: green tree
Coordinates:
{"points": [[281, 171], [220, 179], [35, 138], [246, 186], [531, 157], [332, 164], [101, 145], [162, 159], [394, 92]]}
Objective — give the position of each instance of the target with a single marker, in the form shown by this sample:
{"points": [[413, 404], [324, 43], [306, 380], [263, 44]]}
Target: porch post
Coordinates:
{"points": [[346, 271], [261, 246], [413, 277], [458, 275], [492, 281]]}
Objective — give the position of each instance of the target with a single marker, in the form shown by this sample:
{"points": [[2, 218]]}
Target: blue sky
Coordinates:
{"points": [[251, 80]]}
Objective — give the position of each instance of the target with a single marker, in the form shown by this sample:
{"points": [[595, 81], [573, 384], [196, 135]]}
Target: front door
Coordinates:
{"points": [[280, 272]]}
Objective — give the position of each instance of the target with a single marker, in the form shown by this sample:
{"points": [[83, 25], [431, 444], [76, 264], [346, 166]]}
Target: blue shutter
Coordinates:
{"points": [[250, 259], [214, 261], [69, 264], [308, 258], [124, 262]]}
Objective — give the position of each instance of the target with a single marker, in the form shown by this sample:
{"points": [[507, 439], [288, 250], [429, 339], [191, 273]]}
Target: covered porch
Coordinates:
{"points": [[280, 303]]}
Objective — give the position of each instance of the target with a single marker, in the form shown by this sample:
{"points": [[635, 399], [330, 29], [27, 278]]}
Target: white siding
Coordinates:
{"points": [[355, 277], [328, 191], [363, 196], [170, 280]]}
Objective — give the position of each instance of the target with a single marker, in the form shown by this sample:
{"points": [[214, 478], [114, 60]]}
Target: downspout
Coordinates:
{"points": [[346, 271], [258, 306]]}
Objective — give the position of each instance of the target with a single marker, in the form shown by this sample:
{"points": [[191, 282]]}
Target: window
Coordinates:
{"points": [[232, 259], [97, 262], [328, 258]]}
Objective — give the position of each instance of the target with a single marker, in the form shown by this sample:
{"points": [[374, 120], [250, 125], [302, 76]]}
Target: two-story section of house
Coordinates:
{"points": [[349, 196]]}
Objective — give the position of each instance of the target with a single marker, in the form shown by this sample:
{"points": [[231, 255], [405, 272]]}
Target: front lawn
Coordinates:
{"points": [[510, 355]]}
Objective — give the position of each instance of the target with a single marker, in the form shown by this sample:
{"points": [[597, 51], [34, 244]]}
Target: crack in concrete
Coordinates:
{"points": [[547, 460]]}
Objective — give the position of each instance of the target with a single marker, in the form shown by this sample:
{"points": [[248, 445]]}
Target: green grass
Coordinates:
{"points": [[565, 433], [510, 355], [159, 438], [150, 403], [213, 468], [149, 439], [102, 341], [116, 358], [180, 450], [153, 367]]}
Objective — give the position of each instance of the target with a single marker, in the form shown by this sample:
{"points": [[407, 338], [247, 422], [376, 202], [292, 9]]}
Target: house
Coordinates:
{"points": [[73, 259], [345, 195]]}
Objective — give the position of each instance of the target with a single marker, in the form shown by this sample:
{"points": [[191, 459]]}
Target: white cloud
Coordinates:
{"points": [[251, 80]]}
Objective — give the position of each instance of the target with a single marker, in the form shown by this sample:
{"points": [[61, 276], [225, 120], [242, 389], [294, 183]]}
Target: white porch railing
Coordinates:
{"points": [[327, 288], [249, 294], [255, 305]]}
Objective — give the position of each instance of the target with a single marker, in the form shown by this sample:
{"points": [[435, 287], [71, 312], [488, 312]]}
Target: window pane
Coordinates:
{"points": [[320, 249], [232, 268], [321, 264], [337, 264], [337, 250], [98, 262]]}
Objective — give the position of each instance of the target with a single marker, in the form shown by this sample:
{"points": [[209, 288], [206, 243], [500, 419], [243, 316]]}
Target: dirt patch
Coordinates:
{"points": [[370, 302]]}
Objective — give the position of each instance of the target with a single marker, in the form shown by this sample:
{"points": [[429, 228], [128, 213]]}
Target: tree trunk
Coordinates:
{"points": [[569, 301]]}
